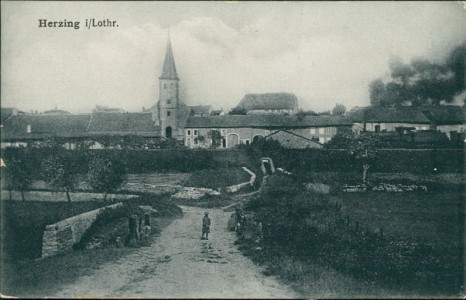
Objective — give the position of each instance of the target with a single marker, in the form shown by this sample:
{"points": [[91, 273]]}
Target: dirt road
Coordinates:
{"points": [[180, 264]]}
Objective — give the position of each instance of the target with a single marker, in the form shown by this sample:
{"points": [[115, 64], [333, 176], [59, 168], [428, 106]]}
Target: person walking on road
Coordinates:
{"points": [[205, 226]]}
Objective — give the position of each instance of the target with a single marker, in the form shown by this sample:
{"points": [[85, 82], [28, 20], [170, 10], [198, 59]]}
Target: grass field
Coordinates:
{"points": [[426, 217], [379, 243]]}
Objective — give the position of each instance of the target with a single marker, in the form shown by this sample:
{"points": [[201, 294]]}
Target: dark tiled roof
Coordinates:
{"points": [[79, 125], [405, 114], [268, 101], [45, 125], [201, 109], [121, 122], [441, 114], [266, 121], [445, 114]]}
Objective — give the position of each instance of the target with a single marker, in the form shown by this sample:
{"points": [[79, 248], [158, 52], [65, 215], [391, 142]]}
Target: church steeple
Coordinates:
{"points": [[169, 69]]}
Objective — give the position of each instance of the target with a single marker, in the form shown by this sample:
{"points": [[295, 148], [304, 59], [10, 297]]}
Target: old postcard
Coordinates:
{"points": [[232, 149]]}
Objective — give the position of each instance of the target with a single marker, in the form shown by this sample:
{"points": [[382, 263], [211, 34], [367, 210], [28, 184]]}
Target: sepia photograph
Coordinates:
{"points": [[236, 149]]}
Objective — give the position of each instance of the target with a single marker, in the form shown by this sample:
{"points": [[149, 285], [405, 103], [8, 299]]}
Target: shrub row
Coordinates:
{"points": [[295, 160]]}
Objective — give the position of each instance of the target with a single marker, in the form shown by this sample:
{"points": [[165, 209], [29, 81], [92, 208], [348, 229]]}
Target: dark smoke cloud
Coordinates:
{"points": [[421, 82]]}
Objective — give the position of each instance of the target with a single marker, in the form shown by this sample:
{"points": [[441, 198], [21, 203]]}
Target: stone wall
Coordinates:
{"points": [[61, 236]]}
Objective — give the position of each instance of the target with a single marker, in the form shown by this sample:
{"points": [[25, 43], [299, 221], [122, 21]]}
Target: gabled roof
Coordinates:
{"points": [[45, 125], [121, 122], [266, 121], [404, 114], [298, 141], [169, 69], [445, 114], [201, 109], [440, 114], [268, 101]]}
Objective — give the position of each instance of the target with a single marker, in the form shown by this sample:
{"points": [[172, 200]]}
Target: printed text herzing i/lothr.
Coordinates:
{"points": [[90, 23]]}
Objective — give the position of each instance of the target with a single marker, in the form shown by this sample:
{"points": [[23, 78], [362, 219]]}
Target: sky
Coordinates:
{"points": [[323, 52]]}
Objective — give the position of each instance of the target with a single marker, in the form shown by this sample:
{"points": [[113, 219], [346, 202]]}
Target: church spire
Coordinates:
{"points": [[169, 69]]}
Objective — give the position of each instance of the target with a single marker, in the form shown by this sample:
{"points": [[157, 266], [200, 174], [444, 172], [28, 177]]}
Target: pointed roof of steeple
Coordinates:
{"points": [[169, 69]]}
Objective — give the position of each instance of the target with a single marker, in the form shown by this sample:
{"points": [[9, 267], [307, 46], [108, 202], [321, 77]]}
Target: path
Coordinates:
{"points": [[179, 264]]}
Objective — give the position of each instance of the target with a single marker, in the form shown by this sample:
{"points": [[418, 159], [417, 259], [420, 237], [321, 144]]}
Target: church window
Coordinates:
{"points": [[168, 113]]}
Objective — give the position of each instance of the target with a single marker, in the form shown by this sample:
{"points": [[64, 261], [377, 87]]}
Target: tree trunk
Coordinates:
{"points": [[68, 195], [22, 196]]}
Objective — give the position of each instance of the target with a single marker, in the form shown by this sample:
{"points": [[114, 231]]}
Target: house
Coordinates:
{"points": [[219, 112], [270, 103], [200, 110], [443, 118], [377, 119], [231, 130], [23, 129], [289, 139]]}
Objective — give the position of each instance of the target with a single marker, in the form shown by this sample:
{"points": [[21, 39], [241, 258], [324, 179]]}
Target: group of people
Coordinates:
{"points": [[240, 222]]}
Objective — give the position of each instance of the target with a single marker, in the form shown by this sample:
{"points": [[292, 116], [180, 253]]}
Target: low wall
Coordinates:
{"points": [[61, 236], [237, 187]]}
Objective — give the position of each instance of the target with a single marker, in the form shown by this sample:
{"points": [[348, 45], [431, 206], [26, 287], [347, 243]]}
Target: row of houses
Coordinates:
{"points": [[270, 116], [202, 131]]}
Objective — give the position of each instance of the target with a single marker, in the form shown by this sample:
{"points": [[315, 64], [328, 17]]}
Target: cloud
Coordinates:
{"points": [[323, 52]]}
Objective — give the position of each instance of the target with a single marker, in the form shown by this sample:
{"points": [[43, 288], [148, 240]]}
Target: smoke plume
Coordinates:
{"points": [[421, 82]]}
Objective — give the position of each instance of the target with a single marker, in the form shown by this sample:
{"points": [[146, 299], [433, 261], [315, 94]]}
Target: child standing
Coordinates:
{"points": [[205, 226]]}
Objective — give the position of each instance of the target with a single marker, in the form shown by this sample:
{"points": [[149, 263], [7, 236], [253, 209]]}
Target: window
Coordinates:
{"points": [[313, 131], [169, 101], [195, 131], [247, 142], [328, 130], [168, 113], [377, 128], [321, 130], [188, 132]]}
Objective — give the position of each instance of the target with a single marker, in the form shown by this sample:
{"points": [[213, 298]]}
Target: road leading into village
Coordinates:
{"points": [[180, 264]]}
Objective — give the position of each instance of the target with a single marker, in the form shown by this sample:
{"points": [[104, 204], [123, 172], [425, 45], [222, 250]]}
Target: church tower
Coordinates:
{"points": [[169, 96]]}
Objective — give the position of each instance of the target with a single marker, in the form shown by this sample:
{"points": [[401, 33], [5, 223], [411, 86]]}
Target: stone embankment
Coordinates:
{"points": [[238, 187], [61, 236]]}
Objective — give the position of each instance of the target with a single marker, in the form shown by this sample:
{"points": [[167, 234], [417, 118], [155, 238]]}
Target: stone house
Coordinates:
{"points": [[232, 130], [269, 103]]}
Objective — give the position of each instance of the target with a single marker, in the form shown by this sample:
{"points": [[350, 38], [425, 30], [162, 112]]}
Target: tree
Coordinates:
{"points": [[106, 175], [362, 146], [17, 176], [238, 111], [339, 110], [59, 173], [216, 137]]}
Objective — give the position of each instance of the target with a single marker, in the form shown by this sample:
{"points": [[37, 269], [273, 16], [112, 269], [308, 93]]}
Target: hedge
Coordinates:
{"points": [[294, 160]]}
